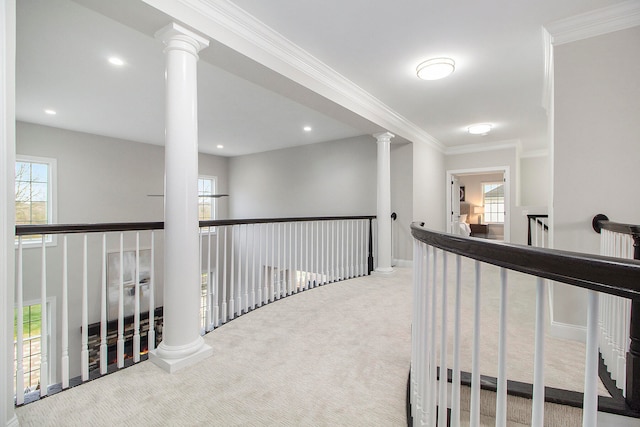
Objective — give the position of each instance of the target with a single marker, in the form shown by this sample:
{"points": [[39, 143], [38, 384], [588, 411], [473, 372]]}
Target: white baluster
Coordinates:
{"points": [[291, 266], [501, 391], [253, 266], [203, 325], [262, 288], [318, 250], [272, 290], [424, 353], [433, 386], [246, 268], [44, 328], [306, 256], [537, 410], [590, 405], [295, 258], [232, 284], [104, 362], [442, 396], [136, 302], [151, 333], [239, 287], [455, 379], [216, 312], [65, 315], [210, 289], [278, 265], [20, 329], [120, 340], [475, 361], [224, 278]]}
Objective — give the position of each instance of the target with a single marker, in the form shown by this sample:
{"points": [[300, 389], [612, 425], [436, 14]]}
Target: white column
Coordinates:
{"points": [[181, 343], [384, 202], [7, 207]]}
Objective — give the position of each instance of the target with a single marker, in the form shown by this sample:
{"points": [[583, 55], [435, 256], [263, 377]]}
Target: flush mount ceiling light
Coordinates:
{"points": [[480, 129], [436, 68], [116, 61], [307, 128], [50, 112], [219, 146]]}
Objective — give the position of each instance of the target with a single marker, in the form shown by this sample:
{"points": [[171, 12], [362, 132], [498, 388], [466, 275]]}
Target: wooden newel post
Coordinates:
{"points": [[633, 355], [370, 259]]}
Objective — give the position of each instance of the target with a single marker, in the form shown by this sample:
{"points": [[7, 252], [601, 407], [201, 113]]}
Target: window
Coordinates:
{"points": [[34, 192], [32, 344], [206, 203], [493, 201]]}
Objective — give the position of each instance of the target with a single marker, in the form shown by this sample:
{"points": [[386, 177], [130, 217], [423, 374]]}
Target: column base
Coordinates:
{"points": [[388, 271], [172, 360]]}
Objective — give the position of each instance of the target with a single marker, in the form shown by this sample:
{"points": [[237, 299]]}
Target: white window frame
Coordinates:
{"points": [[485, 215], [52, 195], [214, 201], [51, 337]]}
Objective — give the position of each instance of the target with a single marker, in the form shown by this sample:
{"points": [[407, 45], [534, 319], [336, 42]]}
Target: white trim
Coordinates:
{"points": [[567, 331], [479, 148], [403, 263], [7, 209], [506, 170], [543, 152], [52, 188], [595, 23], [227, 23]]}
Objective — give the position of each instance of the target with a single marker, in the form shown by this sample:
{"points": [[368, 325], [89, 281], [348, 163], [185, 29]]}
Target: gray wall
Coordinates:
{"points": [[597, 106], [429, 186], [402, 201], [99, 179], [326, 179]]}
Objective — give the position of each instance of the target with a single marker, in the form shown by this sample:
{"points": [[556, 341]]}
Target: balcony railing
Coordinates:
{"points": [[107, 280], [437, 273]]}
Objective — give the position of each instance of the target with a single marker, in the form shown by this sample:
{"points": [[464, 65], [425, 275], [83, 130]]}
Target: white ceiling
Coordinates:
{"points": [[63, 46]]}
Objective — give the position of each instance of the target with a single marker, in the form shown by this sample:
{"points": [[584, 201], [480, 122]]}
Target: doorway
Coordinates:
{"points": [[479, 202]]}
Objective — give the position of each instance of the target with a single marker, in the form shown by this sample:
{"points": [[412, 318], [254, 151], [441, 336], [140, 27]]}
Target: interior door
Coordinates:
{"points": [[455, 205]]}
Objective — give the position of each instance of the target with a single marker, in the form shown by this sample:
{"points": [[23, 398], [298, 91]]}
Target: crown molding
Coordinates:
{"points": [[595, 23], [543, 152], [480, 148], [251, 37]]}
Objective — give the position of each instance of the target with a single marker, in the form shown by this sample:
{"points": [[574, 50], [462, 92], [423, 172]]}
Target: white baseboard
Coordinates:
{"points": [[403, 263], [567, 331]]}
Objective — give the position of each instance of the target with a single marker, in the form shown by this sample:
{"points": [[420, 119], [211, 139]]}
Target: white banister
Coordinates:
{"points": [[590, 405], [120, 340], [103, 309], [455, 379], [442, 392], [253, 266], [64, 361], [136, 303], [151, 333], [84, 355], [44, 349], [210, 289], [475, 358], [537, 409], [232, 282], [19, 327], [501, 392], [433, 363]]}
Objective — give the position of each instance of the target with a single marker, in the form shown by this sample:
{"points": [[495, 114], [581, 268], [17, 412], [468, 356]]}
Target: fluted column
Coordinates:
{"points": [[181, 343], [383, 211]]}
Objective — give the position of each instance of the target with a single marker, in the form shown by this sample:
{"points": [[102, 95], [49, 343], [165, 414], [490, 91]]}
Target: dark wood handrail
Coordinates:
{"points": [[599, 273], [601, 221], [26, 230]]}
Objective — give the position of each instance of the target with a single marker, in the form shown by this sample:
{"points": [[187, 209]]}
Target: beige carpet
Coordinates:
{"points": [[337, 355]]}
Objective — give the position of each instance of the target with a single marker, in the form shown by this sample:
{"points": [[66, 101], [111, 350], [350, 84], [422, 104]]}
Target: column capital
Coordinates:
{"points": [[175, 36], [383, 136]]}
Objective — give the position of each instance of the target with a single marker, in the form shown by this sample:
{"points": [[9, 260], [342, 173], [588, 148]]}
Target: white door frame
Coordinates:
{"points": [[479, 171]]}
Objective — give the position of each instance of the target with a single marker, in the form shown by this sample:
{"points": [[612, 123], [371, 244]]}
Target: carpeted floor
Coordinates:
{"points": [[337, 355]]}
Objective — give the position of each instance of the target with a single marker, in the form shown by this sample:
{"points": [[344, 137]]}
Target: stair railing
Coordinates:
{"points": [[101, 286], [619, 338], [437, 263], [538, 230]]}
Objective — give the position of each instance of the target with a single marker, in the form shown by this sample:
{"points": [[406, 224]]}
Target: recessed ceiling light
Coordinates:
{"points": [[116, 61], [219, 146], [480, 129], [307, 128], [50, 112], [436, 68]]}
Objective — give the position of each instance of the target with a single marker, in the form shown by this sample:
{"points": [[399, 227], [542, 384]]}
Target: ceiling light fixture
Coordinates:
{"points": [[219, 146], [436, 68], [50, 112], [307, 128], [116, 61], [480, 129]]}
